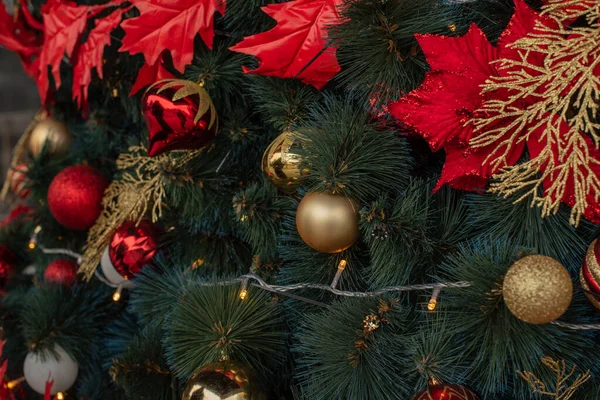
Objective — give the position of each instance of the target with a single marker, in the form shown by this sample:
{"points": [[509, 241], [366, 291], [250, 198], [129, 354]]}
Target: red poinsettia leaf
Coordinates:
{"points": [[439, 109], [471, 52], [15, 36], [590, 156], [48, 389], [150, 74], [63, 24], [170, 25], [470, 169], [296, 47], [90, 55]]}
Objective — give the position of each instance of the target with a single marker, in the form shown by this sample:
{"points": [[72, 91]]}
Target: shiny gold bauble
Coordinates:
{"points": [[327, 223], [537, 289], [225, 380], [281, 163], [52, 134]]}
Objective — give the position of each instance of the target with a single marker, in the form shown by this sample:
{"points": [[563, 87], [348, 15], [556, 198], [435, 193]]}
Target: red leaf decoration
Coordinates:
{"points": [[300, 35], [170, 25], [90, 54], [149, 74], [48, 389], [14, 35], [63, 24], [442, 108]]}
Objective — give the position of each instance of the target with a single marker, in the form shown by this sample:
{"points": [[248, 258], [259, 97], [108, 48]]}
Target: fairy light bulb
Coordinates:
{"points": [[433, 301], [14, 383], [244, 290], [117, 294], [60, 396]]}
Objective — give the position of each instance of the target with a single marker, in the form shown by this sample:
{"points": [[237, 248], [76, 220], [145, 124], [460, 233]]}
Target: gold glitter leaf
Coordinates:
{"points": [[566, 88], [564, 390], [139, 192]]}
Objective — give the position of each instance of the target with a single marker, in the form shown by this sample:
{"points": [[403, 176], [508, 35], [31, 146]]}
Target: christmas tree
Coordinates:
{"points": [[304, 199]]}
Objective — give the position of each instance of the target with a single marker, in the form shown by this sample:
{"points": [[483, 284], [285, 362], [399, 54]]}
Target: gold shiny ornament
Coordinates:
{"points": [[327, 223], [226, 380], [537, 289], [281, 163], [51, 133]]}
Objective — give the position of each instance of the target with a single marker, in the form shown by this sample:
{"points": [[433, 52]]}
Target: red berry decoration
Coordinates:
{"points": [[132, 247], [180, 115], [75, 196], [446, 392], [62, 271], [7, 265]]}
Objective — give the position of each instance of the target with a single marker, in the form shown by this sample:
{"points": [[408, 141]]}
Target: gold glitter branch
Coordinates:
{"points": [[566, 93], [139, 192], [564, 390]]}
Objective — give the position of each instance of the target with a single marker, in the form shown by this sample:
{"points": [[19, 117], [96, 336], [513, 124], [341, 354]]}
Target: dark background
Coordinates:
{"points": [[18, 103]]}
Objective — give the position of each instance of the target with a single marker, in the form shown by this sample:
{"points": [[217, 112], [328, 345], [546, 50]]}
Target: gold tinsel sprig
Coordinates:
{"points": [[566, 88], [566, 381], [138, 193]]}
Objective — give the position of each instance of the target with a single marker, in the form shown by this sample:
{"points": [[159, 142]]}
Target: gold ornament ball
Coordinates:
{"points": [[537, 289], [281, 163], [224, 380], [327, 223], [589, 273], [52, 134]]}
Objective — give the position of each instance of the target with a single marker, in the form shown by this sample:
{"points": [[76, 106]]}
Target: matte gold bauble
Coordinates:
{"points": [[281, 163], [52, 134], [327, 223], [225, 380], [537, 289]]}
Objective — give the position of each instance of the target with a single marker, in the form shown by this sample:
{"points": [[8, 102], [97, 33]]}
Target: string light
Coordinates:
{"points": [[14, 383], [33, 240], [285, 289], [244, 290], [341, 267], [117, 294], [434, 299], [60, 396]]}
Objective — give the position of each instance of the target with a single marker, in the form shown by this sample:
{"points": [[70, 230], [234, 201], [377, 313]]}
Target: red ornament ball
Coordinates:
{"points": [[75, 196], [132, 247], [7, 265], [446, 392], [62, 271]]}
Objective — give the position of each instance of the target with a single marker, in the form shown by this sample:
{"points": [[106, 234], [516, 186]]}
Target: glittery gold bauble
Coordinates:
{"points": [[327, 223], [225, 380], [537, 289], [589, 275], [281, 163], [52, 134]]}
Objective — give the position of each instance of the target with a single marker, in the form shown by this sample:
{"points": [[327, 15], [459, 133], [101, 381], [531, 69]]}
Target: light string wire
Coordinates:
{"points": [[285, 289]]}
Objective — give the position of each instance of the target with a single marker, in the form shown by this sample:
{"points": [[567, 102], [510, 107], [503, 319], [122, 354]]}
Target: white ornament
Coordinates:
{"points": [[63, 370], [109, 271]]}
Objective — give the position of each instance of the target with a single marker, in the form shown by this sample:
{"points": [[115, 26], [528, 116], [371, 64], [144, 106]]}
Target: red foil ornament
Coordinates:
{"points": [[446, 392], [62, 271], [7, 265], [75, 196], [177, 119], [132, 247]]}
